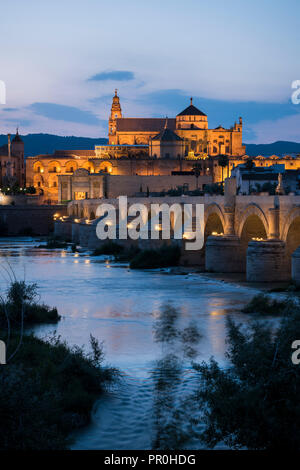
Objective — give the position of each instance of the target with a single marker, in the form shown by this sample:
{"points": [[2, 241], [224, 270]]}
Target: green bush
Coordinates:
{"points": [[20, 307], [47, 390], [264, 305], [53, 243], [127, 254], [160, 258], [253, 404], [109, 248]]}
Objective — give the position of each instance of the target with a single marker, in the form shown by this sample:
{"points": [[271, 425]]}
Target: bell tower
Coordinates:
{"points": [[116, 113]]}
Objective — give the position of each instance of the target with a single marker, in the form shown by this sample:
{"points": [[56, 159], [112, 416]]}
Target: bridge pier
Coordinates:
{"points": [[296, 266], [63, 229], [223, 254], [266, 261], [75, 231]]}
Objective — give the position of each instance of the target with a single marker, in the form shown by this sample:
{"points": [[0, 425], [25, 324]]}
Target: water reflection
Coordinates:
{"points": [[177, 345]]}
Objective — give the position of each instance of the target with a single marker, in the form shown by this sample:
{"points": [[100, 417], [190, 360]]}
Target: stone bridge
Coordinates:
{"points": [[255, 234]]}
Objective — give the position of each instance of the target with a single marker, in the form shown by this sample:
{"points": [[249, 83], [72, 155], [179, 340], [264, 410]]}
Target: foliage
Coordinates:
{"points": [[48, 390], [265, 305], [255, 402], [108, 248], [249, 164], [21, 307], [162, 257], [15, 189], [267, 187], [54, 243], [223, 161], [214, 188]]}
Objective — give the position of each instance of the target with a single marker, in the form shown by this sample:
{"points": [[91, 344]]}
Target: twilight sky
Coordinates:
{"points": [[61, 61]]}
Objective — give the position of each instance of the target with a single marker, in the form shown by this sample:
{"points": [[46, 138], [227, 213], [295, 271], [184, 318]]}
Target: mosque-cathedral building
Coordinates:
{"points": [[144, 154]]}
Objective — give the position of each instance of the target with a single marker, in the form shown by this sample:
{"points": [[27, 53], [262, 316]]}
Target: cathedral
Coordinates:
{"points": [[190, 125]]}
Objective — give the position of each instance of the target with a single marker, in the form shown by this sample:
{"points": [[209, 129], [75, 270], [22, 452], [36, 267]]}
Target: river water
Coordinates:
{"points": [[122, 308]]}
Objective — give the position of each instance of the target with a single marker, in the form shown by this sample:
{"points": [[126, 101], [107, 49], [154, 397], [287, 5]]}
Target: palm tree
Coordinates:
{"points": [[223, 162], [197, 171]]}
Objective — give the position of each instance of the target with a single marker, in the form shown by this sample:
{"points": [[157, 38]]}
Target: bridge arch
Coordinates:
{"points": [[290, 218], [253, 213], [291, 233], [214, 220]]}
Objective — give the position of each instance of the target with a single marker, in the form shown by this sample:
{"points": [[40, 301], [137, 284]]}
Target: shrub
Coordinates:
{"points": [[47, 391], [108, 248], [255, 402], [127, 254], [160, 258], [264, 305], [53, 243], [21, 307]]}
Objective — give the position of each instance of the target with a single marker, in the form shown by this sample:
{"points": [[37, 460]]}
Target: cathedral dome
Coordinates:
{"points": [[191, 111]]}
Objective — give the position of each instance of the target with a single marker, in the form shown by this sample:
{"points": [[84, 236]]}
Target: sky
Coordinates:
{"points": [[61, 61]]}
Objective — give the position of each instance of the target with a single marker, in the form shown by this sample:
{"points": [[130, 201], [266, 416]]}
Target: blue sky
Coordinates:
{"points": [[62, 60]]}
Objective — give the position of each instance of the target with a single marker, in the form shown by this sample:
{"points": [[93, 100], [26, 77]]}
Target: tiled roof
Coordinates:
{"points": [[167, 135], [144, 124], [191, 111]]}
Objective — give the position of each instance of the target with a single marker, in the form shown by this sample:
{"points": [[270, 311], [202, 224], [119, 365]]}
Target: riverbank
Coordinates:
{"points": [[47, 391], [47, 388]]}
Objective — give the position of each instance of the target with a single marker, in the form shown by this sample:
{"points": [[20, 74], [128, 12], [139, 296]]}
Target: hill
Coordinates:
{"points": [[276, 148], [36, 144]]}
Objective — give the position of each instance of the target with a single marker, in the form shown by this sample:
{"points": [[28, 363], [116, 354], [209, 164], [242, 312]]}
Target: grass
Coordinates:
{"points": [[21, 307], [262, 304], [162, 257], [48, 390]]}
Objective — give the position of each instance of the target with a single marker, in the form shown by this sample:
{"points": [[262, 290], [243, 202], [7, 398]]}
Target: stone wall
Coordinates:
{"points": [[28, 219]]}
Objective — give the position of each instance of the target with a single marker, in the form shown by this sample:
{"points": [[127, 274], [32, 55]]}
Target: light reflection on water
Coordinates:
{"points": [[120, 307]]}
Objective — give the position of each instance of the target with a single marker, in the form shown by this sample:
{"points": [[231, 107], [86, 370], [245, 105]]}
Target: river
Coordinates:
{"points": [[121, 308]]}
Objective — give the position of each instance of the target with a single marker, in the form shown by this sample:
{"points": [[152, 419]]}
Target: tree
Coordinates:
{"points": [[197, 171], [255, 402], [223, 162]]}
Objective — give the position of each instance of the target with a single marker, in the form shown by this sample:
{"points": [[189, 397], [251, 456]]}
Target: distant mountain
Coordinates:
{"points": [[276, 148], [35, 144]]}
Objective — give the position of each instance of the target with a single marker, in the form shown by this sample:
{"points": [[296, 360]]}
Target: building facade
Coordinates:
{"points": [[190, 125], [12, 165]]}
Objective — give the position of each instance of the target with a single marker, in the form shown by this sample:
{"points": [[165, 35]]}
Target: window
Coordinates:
{"points": [[167, 155], [54, 184], [72, 169], [38, 169]]}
